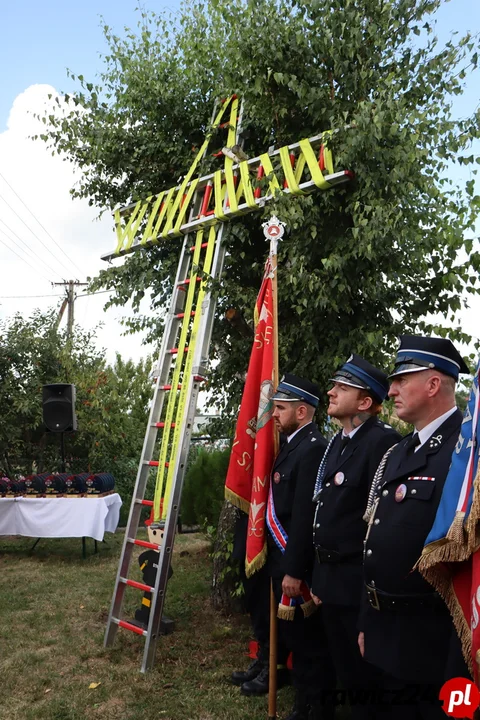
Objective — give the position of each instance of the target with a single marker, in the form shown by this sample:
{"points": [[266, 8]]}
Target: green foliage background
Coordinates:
{"points": [[203, 492], [360, 264], [111, 402]]}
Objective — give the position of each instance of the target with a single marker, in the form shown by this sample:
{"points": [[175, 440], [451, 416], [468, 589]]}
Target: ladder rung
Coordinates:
{"points": [[203, 245], [258, 191], [148, 503], [199, 378], [155, 463], [206, 198], [182, 315], [169, 387], [144, 543], [130, 626], [174, 351], [162, 425], [138, 585], [226, 124], [188, 281]]}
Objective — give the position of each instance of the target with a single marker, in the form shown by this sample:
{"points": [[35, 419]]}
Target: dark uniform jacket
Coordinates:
{"points": [[293, 480], [339, 529], [411, 642]]}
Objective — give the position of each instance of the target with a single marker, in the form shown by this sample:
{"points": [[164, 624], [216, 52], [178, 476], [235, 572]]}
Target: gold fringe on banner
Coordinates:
{"points": [[461, 541], [472, 524], [257, 562], [238, 501]]}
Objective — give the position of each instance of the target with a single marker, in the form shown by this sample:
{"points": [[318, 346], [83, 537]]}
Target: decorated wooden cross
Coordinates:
{"points": [[235, 189], [198, 207]]}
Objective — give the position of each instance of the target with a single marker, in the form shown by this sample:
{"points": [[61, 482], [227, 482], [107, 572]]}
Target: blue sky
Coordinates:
{"points": [[40, 39]]}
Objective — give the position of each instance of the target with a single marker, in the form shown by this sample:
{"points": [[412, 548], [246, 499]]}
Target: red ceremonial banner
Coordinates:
{"points": [[248, 476]]}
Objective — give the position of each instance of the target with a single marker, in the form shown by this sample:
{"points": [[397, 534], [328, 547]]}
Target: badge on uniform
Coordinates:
{"points": [[276, 477], [435, 442], [339, 478], [400, 492]]}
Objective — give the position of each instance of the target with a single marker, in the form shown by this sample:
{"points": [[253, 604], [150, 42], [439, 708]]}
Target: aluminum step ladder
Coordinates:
{"points": [[186, 338]]}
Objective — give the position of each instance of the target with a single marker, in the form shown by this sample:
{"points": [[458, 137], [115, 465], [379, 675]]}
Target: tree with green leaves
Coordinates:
{"points": [[111, 401], [360, 264]]}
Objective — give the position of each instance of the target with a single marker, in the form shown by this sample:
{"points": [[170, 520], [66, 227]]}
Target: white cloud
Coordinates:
{"points": [[43, 183]]}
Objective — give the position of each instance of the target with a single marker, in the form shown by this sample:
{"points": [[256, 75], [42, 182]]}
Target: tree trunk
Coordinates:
{"points": [[225, 573]]}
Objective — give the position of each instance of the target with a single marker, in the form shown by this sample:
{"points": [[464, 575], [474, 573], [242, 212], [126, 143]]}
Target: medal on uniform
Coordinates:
{"points": [[339, 478], [400, 492], [276, 477]]}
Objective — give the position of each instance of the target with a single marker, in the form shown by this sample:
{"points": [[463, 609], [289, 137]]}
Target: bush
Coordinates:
{"points": [[203, 493]]}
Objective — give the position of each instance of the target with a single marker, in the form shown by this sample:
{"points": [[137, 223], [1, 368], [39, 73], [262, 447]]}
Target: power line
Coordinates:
{"points": [[43, 228], [33, 233], [22, 258], [22, 297], [100, 292], [49, 268]]}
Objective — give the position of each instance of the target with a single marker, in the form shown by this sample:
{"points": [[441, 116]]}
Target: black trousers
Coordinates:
{"points": [[257, 604], [398, 700], [358, 678], [313, 673], [421, 702]]}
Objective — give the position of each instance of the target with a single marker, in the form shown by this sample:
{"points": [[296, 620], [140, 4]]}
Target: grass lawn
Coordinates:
{"points": [[53, 611]]}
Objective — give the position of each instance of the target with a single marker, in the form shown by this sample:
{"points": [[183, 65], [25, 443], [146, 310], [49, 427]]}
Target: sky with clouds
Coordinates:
{"points": [[45, 236]]}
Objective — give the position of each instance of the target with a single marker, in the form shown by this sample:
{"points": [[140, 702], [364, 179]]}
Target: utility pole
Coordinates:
{"points": [[70, 301]]}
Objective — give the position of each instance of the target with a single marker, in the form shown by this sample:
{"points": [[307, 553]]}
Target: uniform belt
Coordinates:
{"points": [[381, 600], [332, 556]]}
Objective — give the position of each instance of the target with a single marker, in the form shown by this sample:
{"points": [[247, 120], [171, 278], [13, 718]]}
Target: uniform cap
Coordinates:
{"points": [[292, 389], [417, 353], [359, 373]]}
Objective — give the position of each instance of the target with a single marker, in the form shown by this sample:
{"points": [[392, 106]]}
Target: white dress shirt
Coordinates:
{"points": [[427, 432]]}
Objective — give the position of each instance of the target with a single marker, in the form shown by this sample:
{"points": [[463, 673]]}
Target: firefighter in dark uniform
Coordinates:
{"points": [[341, 494], [255, 679], [290, 551], [407, 630]]}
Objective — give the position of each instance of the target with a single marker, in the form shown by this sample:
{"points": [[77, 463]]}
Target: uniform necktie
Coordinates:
{"points": [[343, 443], [412, 443]]}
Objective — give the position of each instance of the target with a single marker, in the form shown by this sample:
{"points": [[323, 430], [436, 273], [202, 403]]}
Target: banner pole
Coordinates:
{"points": [[273, 230]]}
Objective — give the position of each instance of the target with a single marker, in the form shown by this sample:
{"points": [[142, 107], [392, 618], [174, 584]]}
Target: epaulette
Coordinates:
{"points": [[384, 425]]}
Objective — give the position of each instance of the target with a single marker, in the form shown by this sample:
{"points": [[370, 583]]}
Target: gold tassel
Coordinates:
{"points": [[368, 514], [456, 532], [308, 608], [285, 612]]}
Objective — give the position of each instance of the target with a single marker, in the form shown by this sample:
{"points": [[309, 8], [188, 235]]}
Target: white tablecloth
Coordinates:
{"points": [[60, 517]]}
